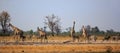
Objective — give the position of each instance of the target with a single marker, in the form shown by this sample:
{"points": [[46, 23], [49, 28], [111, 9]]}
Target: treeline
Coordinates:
{"points": [[92, 31], [53, 23]]}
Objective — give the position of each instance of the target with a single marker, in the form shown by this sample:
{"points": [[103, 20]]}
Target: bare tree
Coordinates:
{"points": [[57, 28], [4, 20], [52, 22]]}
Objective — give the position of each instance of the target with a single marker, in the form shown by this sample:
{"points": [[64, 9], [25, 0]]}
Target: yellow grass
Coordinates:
{"points": [[56, 48], [59, 48]]}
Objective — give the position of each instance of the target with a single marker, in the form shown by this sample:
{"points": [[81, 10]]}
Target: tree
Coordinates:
{"points": [[31, 32], [95, 29], [68, 29], [110, 31], [88, 28], [4, 20], [102, 32], [52, 22], [57, 28]]}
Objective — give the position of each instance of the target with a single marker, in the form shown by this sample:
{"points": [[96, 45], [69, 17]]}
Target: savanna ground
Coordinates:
{"points": [[56, 45]]}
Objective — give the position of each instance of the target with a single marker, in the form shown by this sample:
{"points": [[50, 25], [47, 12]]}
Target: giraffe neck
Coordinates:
{"points": [[38, 29], [15, 28], [84, 32], [72, 30], [73, 25]]}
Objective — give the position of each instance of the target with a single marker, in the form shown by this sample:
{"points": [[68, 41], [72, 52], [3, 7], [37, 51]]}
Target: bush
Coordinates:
{"points": [[4, 34]]}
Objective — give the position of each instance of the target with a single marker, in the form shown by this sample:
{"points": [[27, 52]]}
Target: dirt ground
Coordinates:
{"points": [[60, 48], [57, 45]]}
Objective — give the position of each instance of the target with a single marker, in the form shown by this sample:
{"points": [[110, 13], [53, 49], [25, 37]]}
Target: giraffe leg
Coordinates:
{"points": [[44, 40], [41, 40], [73, 39], [47, 40], [85, 39], [78, 39]]}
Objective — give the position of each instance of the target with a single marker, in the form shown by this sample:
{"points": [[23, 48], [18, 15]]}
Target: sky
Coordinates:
{"points": [[29, 14]]}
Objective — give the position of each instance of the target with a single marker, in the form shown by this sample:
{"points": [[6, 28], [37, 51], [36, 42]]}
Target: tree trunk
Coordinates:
{"points": [[4, 29], [52, 32]]}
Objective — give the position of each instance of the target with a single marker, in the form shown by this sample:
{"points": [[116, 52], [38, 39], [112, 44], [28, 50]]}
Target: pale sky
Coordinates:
{"points": [[29, 14]]}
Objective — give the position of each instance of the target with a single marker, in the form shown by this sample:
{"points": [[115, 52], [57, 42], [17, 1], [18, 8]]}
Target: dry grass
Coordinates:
{"points": [[59, 48], [56, 48]]}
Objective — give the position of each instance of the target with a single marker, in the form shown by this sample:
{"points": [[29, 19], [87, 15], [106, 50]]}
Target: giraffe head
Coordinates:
{"points": [[73, 22], [39, 29], [83, 27]]}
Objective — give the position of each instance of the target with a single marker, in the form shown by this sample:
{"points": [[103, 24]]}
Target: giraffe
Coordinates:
{"points": [[17, 32], [93, 38], [106, 37], [116, 37], [42, 35], [84, 33], [72, 33]]}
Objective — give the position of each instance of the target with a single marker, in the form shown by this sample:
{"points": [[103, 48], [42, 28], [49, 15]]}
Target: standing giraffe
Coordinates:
{"points": [[42, 34], [72, 33], [84, 33], [17, 32]]}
